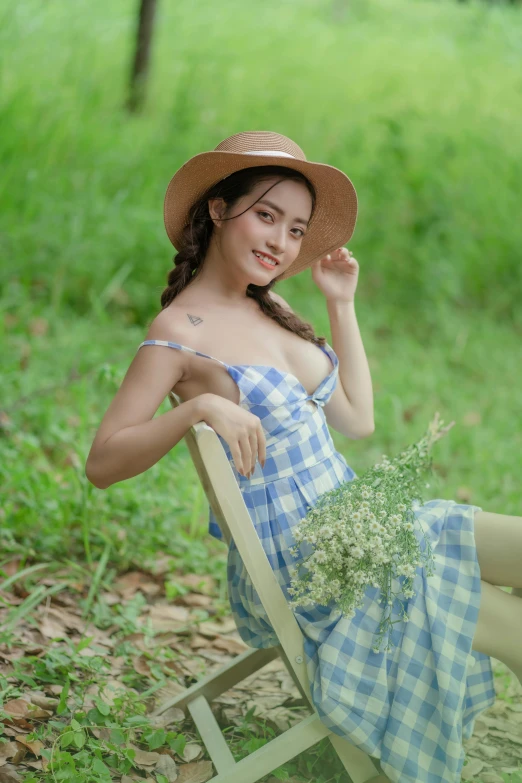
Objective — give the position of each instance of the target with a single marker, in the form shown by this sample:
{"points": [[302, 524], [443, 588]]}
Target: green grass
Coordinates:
{"points": [[418, 102]]}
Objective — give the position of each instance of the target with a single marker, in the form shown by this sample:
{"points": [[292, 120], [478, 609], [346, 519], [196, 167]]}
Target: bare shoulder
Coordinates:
{"points": [[167, 325], [279, 299], [175, 324]]}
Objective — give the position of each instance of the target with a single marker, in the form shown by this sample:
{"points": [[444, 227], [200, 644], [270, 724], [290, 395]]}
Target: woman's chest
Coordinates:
{"points": [[238, 343]]}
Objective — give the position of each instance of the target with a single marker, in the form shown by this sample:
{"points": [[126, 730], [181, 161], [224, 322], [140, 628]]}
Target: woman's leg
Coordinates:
{"points": [[499, 627], [498, 538]]}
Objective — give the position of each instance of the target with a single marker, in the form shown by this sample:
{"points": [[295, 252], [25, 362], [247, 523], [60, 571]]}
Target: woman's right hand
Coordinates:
{"points": [[242, 431]]}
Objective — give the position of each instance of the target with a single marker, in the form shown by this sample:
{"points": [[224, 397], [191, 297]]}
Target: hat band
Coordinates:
{"points": [[264, 152], [268, 152]]}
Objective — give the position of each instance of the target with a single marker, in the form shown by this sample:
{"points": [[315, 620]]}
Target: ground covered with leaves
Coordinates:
{"points": [[85, 671]]}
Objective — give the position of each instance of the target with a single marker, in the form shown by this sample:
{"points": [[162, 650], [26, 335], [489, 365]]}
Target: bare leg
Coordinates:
{"points": [[499, 627], [498, 538]]}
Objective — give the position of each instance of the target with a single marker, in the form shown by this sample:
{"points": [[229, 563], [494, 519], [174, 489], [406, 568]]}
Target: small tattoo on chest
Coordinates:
{"points": [[194, 319]]}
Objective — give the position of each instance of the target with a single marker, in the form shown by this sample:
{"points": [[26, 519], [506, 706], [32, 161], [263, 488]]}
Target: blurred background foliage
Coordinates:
{"points": [[420, 103]]}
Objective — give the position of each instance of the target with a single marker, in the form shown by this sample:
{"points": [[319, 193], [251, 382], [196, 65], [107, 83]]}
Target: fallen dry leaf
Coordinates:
{"points": [[52, 629], [229, 645], [35, 746], [197, 641], [172, 715], [7, 751], [9, 774], [195, 599], [168, 767], [141, 665], [214, 628], [195, 772], [68, 619], [41, 700], [165, 617], [145, 758], [19, 708], [191, 751], [199, 583], [129, 584]]}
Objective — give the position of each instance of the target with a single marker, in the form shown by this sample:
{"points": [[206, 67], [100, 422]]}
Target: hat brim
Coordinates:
{"points": [[331, 226]]}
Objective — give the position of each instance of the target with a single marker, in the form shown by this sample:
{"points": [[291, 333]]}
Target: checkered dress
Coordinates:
{"points": [[409, 708]]}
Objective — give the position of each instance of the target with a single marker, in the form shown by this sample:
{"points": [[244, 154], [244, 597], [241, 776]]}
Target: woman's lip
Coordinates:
{"points": [[261, 260]]}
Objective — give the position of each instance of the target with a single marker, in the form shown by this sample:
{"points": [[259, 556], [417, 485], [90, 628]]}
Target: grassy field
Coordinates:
{"points": [[419, 104]]}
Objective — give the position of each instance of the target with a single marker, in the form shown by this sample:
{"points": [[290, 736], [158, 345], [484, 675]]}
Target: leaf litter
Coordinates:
{"points": [[136, 651]]}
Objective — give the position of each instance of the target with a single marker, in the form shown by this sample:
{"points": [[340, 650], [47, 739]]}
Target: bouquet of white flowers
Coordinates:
{"points": [[363, 534]]}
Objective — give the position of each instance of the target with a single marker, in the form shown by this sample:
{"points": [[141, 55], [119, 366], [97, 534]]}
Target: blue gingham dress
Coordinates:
{"points": [[409, 708]]}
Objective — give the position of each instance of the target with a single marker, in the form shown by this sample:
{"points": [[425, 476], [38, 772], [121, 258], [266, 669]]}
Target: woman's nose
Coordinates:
{"points": [[277, 245]]}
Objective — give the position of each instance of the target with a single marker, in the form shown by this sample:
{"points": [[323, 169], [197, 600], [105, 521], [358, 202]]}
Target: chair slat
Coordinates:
{"points": [[218, 682], [211, 735], [276, 752]]}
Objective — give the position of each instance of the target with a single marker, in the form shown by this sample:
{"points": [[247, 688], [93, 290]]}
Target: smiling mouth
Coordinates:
{"points": [[263, 260]]}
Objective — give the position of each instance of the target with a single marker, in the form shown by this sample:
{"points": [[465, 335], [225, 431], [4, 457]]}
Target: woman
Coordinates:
{"points": [[243, 216]]}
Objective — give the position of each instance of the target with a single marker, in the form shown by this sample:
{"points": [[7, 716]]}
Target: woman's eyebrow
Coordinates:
{"points": [[281, 212]]}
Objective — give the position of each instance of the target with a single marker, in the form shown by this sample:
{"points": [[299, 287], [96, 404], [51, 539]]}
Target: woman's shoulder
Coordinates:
{"points": [[279, 299]]}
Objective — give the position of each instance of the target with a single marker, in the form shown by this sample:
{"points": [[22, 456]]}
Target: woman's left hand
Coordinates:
{"points": [[336, 275]]}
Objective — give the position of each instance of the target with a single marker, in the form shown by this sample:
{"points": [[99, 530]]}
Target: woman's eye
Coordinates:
{"points": [[296, 229]]}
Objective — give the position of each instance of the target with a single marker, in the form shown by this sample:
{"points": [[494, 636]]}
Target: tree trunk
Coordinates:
{"points": [[140, 66]]}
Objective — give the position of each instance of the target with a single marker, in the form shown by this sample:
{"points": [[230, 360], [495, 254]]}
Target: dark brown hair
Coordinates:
{"points": [[198, 232]]}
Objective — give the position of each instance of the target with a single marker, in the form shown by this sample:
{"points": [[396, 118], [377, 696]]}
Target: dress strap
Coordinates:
{"points": [[181, 348]]}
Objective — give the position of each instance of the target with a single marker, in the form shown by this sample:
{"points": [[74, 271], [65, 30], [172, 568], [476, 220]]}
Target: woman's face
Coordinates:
{"points": [[275, 228]]}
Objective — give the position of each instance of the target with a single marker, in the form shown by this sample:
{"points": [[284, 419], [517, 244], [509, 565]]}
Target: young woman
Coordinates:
{"points": [[243, 216]]}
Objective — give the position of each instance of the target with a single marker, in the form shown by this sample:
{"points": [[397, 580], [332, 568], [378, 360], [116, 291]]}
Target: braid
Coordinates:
{"points": [[281, 315], [188, 262]]}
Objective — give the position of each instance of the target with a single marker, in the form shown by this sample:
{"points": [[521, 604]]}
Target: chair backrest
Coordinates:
{"points": [[233, 517]]}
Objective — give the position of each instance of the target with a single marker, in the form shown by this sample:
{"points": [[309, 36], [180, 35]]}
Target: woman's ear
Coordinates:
{"points": [[217, 208]]}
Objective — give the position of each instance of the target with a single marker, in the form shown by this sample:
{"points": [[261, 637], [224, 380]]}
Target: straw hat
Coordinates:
{"points": [[332, 223]]}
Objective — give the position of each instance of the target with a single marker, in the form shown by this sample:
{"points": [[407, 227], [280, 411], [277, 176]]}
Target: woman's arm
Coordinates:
{"points": [[133, 450], [354, 372], [129, 439]]}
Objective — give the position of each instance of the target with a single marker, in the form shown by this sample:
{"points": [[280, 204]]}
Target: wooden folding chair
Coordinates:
{"points": [[234, 520]]}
